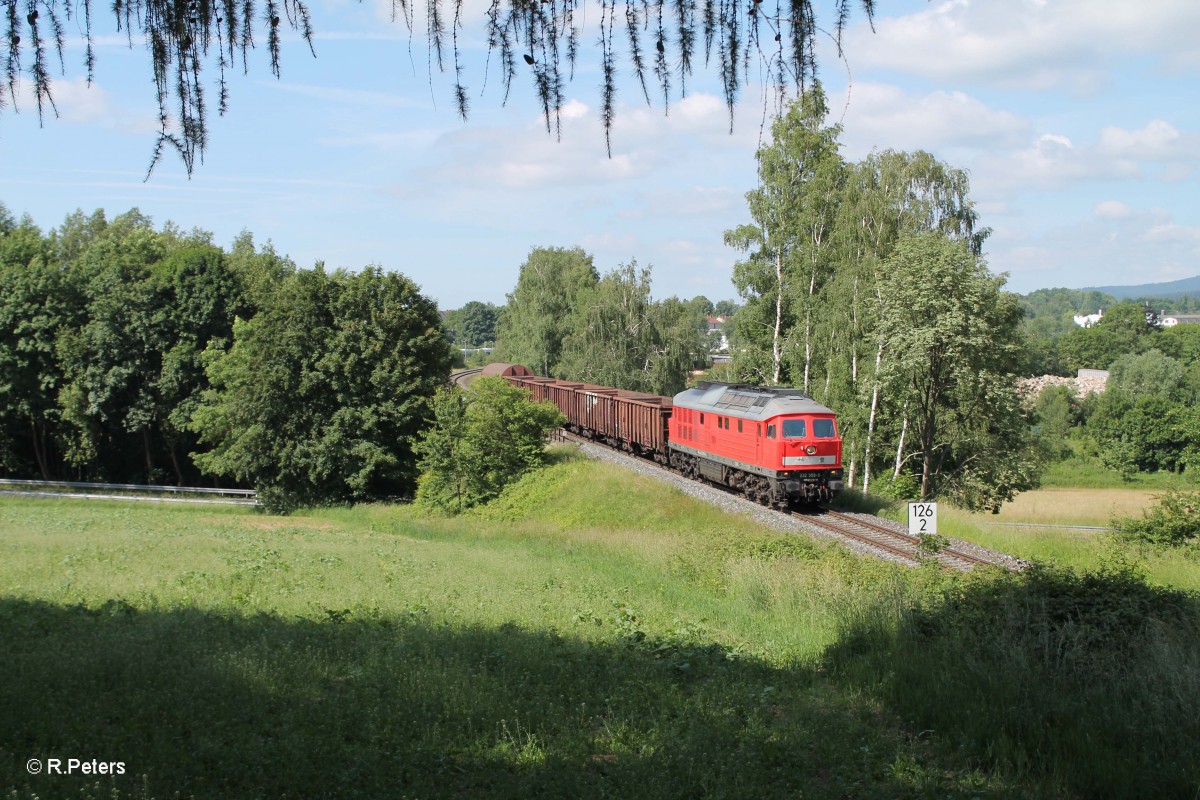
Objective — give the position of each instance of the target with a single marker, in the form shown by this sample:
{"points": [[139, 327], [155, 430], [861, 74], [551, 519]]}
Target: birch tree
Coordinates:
{"points": [[953, 338], [793, 207]]}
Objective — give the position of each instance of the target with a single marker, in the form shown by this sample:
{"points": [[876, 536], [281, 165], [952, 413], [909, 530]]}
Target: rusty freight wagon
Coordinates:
{"points": [[632, 421]]}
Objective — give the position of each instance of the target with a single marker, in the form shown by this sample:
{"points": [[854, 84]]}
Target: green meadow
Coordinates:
{"points": [[589, 634]]}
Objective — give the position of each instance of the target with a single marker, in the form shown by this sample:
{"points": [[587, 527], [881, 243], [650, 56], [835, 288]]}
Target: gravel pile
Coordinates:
{"points": [[1030, 388]]}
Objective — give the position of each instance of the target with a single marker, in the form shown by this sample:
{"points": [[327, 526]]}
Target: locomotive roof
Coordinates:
{"points": [[746, 401]]}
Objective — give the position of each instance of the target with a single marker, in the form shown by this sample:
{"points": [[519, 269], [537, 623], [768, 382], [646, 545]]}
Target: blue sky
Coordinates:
{"points": [[1079, 121]]}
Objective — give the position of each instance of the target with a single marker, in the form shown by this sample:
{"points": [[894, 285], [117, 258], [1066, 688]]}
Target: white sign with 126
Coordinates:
{"points": [[922, 518]]}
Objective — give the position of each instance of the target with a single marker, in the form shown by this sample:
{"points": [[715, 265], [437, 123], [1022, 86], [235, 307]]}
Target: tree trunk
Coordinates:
{"points": [[927, 439], [871, 421], [776, 344], [39, 452], [175, 465], [149, 458], [900, 446]]}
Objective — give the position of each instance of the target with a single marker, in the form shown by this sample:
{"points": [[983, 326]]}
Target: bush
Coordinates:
{"points": [[481, 440], [1173, 522]]}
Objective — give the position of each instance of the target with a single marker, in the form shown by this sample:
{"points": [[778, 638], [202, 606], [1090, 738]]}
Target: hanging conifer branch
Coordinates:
{"points": [[188, 39]]}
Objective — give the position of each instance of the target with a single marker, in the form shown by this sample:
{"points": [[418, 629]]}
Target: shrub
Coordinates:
{"points": [[1173, 522], [481, 440]]}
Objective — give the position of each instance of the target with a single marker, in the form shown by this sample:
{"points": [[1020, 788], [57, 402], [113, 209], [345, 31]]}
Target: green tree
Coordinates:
{"points": [[481, 440], [1123, 329], [620, 337], [476, 324], [788, 245], [323, 393], [112, 361], [1174, 521], [542, 307], [36, 303], [1181, 342], [952, 337], [1148, 374], [1055, 415]]}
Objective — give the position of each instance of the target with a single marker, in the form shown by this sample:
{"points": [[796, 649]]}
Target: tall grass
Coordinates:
{"points": [[589, 634], [1067, 684]]}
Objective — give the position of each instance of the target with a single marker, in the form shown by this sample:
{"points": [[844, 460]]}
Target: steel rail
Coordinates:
{"points": [[907, 555], [907, 537]]}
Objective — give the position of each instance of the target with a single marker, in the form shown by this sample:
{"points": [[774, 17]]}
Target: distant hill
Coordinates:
{"points": [[1187, 287]]}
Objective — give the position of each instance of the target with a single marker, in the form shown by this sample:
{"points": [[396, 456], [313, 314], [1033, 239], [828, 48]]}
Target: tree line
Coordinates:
{"points": [[1148, 417], [131, 354], [564, 320]]}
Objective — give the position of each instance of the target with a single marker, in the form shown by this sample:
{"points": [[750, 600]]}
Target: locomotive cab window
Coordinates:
{"points": [[794, 429], [823, 429], [770, 431], [701, 417]]}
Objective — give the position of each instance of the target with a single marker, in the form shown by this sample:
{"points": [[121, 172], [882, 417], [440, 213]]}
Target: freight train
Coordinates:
{"points": [[776, 445]]}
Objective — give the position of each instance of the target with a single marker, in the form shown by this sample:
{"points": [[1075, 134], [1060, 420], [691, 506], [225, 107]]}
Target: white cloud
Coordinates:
{"points": [[1158, 140], [1131, 246], [1112, 209], [1026, 44], [80, 104], [1156, 150], [879, 115]]}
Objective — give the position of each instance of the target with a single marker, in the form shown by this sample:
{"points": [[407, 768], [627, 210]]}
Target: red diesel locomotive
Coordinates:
{"points": [[776, 445]]}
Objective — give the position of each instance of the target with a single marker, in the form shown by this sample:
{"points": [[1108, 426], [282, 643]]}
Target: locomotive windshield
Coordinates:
{"points": [[823, 429], [794, 429], [798, 429]]}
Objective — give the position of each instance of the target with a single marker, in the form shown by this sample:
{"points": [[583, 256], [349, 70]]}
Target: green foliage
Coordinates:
{"points": [[473, 325], [1181, 342], [542, 307], [1123, 329], [1071, 685], [952, 338], [321, 396], [817, 284], [481, 440], [1147, 433], [620, 337], [1055, 414], [37, 303], [1148, 374], [1173, 522], [789, 243]]}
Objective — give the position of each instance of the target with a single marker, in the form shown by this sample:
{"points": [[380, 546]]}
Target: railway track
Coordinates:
{"points": [[461, 379], [898, 544], [866, 535]]}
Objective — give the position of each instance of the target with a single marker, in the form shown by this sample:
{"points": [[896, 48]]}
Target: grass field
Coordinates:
{"points": [[590, 634]]}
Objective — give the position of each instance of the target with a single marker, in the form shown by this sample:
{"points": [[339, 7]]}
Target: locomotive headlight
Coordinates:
{"points": [[811, 449]]}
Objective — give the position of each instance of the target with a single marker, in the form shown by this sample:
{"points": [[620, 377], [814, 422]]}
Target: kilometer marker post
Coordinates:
{"points": [[922, 519]]}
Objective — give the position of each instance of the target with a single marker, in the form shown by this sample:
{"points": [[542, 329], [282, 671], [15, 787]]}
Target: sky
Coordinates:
{"points": [[1078, 121]]}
